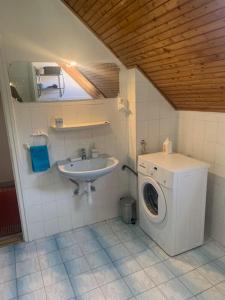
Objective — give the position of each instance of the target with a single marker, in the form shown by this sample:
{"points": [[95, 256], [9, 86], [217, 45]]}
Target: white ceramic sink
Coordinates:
{"points": [[88, 169]]}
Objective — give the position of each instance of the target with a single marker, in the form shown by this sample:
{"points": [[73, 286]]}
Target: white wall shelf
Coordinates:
{"points": [[77, 126]]}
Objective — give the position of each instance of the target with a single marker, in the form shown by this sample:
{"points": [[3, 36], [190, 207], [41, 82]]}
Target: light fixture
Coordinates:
{"points": [[73, 64]]}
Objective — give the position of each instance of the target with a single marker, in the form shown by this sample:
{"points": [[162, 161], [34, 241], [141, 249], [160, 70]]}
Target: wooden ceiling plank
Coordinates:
{"points": [[180, 68], [188, 13], [200, 101], [145, 10], [197, 96], [191, 89], [89, 4], [161, 24], [77, 4], [101, 12], [207, 62], [199, 30], [201, 104], [70, 2], [88, 14], [189, 69], [189, 58], [191, 82], [182, 64], [127, 31], [189, 77], [202, 46], [209, 37], [199, 83], [111, 18], [196, 103]]}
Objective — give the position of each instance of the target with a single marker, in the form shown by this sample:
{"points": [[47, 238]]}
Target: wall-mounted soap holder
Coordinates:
{"points": [[38, 134]]}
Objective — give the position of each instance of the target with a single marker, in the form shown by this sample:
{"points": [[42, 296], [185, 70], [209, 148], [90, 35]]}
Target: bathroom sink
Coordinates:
{"points": [[87, 170]]}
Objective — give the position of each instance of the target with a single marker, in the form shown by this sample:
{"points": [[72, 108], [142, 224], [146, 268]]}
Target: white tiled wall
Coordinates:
{"points": [[202, 136], [156, 118], [50, 206], [151, 118]]}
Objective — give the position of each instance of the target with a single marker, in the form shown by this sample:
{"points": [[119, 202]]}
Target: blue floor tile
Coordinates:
{"points": [[77, 266], [90, 246], [54, 274], [49, 260], [7, 258], [8, 290], [36, 295], [29, 283], [117, 252], [65, 239], [71, 252], [25, 251], [62, 290], [46, 246], [26, 267], [97, 259], [83, 283], [7, 273], [107, 260]]}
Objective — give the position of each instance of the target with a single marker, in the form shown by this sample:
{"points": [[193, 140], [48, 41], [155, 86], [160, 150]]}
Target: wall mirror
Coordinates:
{"points": [[51, 81]]}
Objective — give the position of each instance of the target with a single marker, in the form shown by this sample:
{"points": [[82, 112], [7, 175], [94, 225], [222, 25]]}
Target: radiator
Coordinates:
{"points": [[9, 211]]}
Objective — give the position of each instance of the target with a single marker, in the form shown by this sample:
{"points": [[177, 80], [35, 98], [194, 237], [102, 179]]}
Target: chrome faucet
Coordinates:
{"points": [[83, 153]]}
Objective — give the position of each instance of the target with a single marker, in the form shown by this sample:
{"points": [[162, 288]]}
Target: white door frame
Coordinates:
{"points": [[9, 115]]}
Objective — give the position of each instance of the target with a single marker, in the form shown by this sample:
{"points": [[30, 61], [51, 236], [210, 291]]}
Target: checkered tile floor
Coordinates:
{"points": [[109, 260]]}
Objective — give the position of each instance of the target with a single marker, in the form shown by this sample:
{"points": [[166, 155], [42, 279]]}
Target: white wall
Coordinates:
{"points": [[151, 118], [49, 202], [6, 173], [45, 30], [202, 136], [156, 118], [57, 35]]}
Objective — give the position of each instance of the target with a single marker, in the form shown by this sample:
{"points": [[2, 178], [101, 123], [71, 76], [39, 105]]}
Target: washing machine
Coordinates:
{"points": [[172, 200]]}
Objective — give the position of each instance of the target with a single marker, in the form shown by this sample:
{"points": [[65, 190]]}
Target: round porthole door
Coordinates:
{"points": [[153, 201]]}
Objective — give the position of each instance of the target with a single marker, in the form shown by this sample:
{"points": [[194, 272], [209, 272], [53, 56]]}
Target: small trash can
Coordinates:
{"points": [[128, 209]]}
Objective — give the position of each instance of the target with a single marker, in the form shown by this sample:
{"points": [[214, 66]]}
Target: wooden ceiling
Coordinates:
{"points": [[105, 76], [178, 44], [98, 80]]}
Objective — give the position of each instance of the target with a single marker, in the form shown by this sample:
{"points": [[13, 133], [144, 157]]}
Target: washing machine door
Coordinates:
{"points": [[153, 200]]}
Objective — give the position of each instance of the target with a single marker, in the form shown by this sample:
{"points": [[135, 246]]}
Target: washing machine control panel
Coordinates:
{"points": [[162, 176]]}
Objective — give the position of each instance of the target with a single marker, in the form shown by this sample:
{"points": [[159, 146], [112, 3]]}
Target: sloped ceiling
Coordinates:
{"points": [[105, 76], [178, 44]]}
